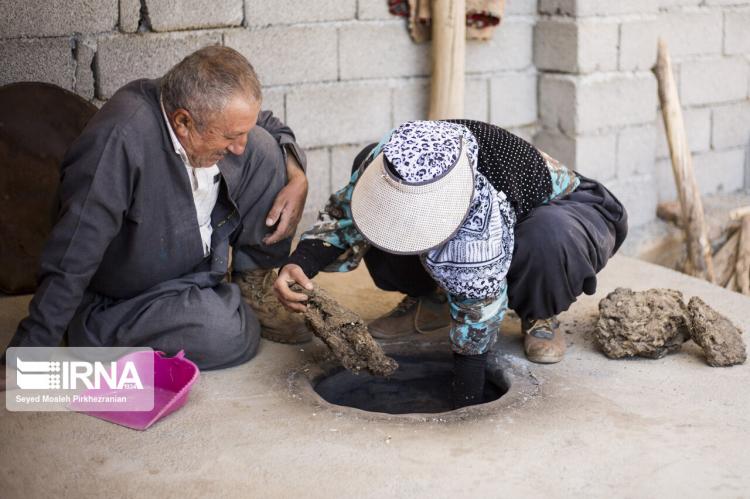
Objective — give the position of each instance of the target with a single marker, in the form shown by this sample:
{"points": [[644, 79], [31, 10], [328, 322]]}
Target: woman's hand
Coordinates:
{"points": [[289, 275]]}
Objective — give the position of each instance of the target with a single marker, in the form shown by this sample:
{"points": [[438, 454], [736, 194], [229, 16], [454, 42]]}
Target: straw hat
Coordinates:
{"points": [[416, 193]]}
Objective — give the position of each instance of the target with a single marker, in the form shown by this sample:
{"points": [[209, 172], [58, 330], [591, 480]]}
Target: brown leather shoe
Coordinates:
{"points": [[543, 342], [277, 323], [413, 315]]}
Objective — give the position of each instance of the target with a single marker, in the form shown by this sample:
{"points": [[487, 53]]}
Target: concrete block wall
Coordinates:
{"points": [[598, 101], [340, 72], [572, 75]]}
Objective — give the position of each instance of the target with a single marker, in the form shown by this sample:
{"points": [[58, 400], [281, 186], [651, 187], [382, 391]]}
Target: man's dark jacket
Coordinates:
{"points": [[127, 220]]}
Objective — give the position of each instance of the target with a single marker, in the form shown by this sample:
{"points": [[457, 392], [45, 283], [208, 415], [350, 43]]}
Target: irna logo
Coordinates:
{"points": [[71, 375]]}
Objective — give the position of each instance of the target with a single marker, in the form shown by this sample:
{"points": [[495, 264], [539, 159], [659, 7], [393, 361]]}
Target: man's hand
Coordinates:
{"points": [[288, 275], [289, 203]]}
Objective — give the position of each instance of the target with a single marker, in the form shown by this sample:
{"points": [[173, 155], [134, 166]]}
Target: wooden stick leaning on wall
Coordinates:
{"points": [[739, 213], [725, 260], [742, 267], [699, 262], [448, 59]]}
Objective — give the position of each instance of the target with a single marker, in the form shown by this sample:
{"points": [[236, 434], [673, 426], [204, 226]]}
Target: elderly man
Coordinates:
{"points": [[165, 179]]}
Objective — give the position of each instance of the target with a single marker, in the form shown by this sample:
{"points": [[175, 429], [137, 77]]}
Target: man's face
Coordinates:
{"points": [[225, 132]]}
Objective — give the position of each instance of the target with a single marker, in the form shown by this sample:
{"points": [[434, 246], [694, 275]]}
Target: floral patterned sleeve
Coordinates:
{"points": [[476, 322], [333, 243], [564, 180], [335, 227]]}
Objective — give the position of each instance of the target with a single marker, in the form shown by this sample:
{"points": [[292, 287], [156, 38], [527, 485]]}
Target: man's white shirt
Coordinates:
{"points": [[205, 186]]}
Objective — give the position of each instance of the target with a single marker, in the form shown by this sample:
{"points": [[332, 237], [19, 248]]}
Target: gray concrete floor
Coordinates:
{"points": [[595, 427]]}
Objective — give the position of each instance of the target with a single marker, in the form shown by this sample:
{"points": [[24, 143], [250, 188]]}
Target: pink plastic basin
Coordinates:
{"points": [[173, 377]]}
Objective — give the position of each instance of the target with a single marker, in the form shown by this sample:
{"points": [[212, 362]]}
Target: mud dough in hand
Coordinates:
{"points": [[345, 333]]}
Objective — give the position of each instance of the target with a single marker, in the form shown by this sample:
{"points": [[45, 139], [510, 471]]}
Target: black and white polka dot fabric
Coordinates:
{"points": [[512, 165]]}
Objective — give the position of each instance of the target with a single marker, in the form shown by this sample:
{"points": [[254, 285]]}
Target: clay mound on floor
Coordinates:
{"points": [[720, 340], [648, 324], [656, 322]]}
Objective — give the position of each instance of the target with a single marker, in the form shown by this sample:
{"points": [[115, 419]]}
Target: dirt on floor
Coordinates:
{"points": [[656, 322], [345, 333]]}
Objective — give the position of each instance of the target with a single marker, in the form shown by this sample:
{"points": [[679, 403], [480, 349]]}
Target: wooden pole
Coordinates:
{"points": [[742, 267], [699, 262], [448, 55], [739, 213], [725, 260]]}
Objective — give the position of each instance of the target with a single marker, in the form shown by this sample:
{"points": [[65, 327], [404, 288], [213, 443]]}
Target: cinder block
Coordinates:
{"points": [[130, 15], [677, 4], [557, 102], [47, 59], [171, 15], [715, 172], [714, 80], [664, 180], [698, 129], [263, 12], [318, 179], [639, 196], [476, 99], [369, 10], [513, 99], [692, 32], [731, 126], [559, 146], [288, 54], [342, 158], [273, 100], [342, 113], [604, 101], [636, 151], [380, 50], [589, 103], [556, 45], [720, 171], [576, 45], [45, 18], [509, 48], [727, 2], [123, 58], [597, 45], [85, 48], [591, 155], [519, 7], [558, 7], [411, 101], [737, 31], [582, 8], [596, 156], [638, 44]]}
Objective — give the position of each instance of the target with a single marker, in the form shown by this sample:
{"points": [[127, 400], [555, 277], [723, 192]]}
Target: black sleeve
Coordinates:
{"points": [[313, 255]]}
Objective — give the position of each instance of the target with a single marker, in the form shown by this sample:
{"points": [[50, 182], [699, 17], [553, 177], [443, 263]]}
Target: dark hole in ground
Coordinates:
{"points": [[421, 384]]}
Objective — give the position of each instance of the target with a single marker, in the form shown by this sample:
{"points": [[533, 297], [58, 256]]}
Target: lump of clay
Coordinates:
{"points": [[648, 323], [345, 333], [720, 340]]}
